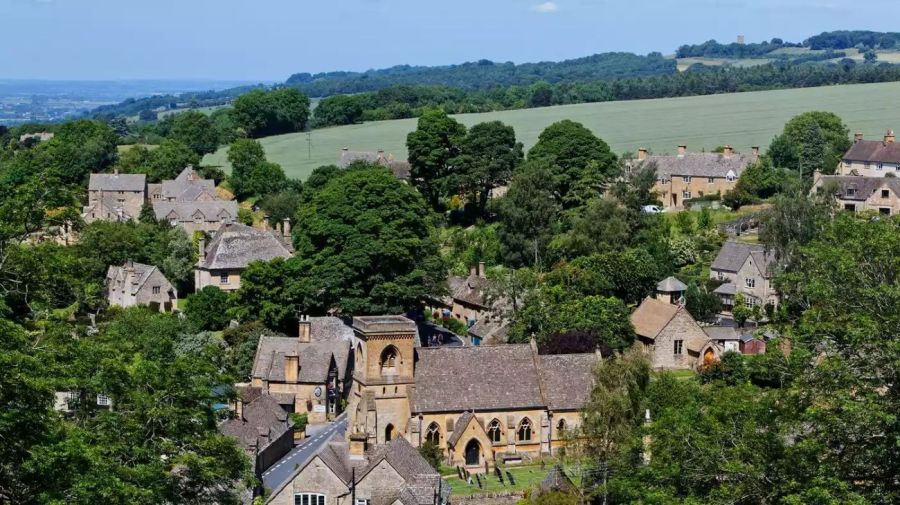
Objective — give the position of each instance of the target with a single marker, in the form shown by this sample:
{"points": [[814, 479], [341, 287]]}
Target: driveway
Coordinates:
{"points": [[300, 455]]}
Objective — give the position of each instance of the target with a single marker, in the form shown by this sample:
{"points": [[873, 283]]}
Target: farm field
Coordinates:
{"points": [[739, 119]]}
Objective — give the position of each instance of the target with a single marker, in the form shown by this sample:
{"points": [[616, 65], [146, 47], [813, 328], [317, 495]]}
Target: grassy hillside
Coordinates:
{"points": [[741, 119]]}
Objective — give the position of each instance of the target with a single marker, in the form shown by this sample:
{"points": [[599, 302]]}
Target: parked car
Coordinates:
{"points": [[653, 209]]}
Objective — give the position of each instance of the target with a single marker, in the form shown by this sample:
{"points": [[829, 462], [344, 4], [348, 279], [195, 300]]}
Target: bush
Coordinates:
{"points": [[206, 309], [432, 454]]}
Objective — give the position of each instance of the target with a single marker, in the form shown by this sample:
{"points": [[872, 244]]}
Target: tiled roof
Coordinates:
{"points": [[215, 211], [733, 255], [235, 246], [722, 333], [133, 275], [854, 187], [670, 285], [700, 165], [652, 316], [567, 379], [262, 421], [108, 204], [328, 342], [873, 151], [117, 182], [557, 481], [459, 428], [470, 290], [490, 330], [726, 289]]}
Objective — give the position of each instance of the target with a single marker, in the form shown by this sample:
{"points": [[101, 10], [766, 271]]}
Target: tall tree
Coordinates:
{"points": [[195, 130], [811, 141], [528, 217], [432, 147], [251, 174], [488, 155]]}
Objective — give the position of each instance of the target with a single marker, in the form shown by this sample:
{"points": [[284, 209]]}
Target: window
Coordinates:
{"points": [[686, 195], [561, 427], [879, 166], [750, 282], [851, 191], [884, 211], [679, 346], [750, 302], [362, 501], [720, 276], [173, 222], [885, 193], [155, 290], [850, 206], [524, 432], [309, 499], [730, 178], [223, 279], [700, 194], [710, 180], [494, 431], [73, 396], [389, 360], [103, 400], [686, 178], [433, 434]]}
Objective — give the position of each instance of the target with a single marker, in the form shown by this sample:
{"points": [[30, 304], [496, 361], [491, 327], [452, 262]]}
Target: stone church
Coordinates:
{"points": [[479, 404]]}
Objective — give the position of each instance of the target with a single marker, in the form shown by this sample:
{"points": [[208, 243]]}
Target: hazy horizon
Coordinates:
{"points": [[229, 40]]}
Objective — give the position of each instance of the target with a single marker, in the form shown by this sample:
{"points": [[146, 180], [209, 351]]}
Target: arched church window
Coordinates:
{"points": [[433, 434], [494, 431], [524, 432]]}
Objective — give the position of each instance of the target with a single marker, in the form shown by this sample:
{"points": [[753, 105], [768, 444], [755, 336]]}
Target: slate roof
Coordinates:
{"points": [[261, 423], [873, 151], [490, 330], [235, 245], [726, 289], [459, 428], [134, 279], [722, 333], [567, 379], [700, 165], [854, 187], [117, 182], [330, 339], [670, 285], [510, 376], [108, 203], [733, 254], [215, 211], [652, 316], [470, 290]]}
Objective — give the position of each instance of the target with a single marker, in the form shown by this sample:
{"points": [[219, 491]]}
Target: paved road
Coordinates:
{"points": [[281, 471]]}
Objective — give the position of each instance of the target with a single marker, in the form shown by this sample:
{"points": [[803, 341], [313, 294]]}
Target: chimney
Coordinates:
{"points": [[857, 136], [239, 408], [265, 222], [728, 151], [473, 271], [291, 368], [755, 151], [358, 445], [642, 153], [116, 172], [889, 136], [286, 227], [201, 249], [303, 329], [681, 150], [481, 269]]}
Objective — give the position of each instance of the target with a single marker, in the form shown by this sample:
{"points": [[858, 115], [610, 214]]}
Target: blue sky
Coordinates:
{"points": [[271, 39]]}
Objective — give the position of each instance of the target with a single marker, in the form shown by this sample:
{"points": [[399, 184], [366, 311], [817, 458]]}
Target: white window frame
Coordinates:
{"points": [[103, 400], [685, 178], [311, 499], [730, 178], [223, 278], [750, 282], [685, 195], [362, 501], [678, 347]]}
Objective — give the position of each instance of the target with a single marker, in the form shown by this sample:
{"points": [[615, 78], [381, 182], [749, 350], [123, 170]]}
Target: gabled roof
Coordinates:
{"points": [[459, 428], [262, 421], [235, 246], [557, 481], [700, 165], [117, 182], [670, 285], [470, 290], [733, 255], [854, 187], [567, 379], [722, 333], [132, 276], [726, 289], [212, 211], [873, 151], [329, 344], [652, 316]]}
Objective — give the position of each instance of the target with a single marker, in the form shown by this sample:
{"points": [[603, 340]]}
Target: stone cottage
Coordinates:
{"points": [[871, 158], [746, 269], [138, 284], [858, 194], [262, 428], [671, 337], [115, 197], [232, 249]]}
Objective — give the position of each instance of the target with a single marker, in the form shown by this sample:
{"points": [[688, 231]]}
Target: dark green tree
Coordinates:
{"points": [[432, 147], [810, 141], [528, 217], [195, 130], [251, 174], [488, 156], [206, 309]]}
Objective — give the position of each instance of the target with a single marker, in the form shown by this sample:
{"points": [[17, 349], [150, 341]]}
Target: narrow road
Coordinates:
{"points": [[300, 455]]}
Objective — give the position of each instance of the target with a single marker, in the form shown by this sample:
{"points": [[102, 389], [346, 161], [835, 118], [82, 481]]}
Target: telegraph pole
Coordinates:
{"points": [[308, 145], [353, 486]]}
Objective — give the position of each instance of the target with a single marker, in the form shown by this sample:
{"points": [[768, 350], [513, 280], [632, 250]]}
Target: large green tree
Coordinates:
{"points": [[195, 130], [432, 148], [251, 173], [528, 217], [810, 141], [488, 155], [260, 113], [579, 161]]}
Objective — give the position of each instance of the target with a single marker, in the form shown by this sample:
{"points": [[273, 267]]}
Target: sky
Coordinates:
{"points": [[268, 40]]}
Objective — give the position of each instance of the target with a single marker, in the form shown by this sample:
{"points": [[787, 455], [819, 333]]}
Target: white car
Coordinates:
{"points": [[652, 209]]}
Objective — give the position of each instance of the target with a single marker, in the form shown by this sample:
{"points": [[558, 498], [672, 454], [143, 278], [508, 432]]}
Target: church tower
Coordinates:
{"points": [[384, 365]]}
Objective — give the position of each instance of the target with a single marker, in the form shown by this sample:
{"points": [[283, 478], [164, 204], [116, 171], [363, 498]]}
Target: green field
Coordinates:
{"points": [[739, 119]]}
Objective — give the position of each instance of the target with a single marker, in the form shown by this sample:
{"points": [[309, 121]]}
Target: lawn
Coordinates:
{"points": [[739, 119], [526, 477]]}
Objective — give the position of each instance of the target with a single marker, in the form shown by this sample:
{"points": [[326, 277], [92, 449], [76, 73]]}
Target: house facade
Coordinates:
{"points": [[191, 202], [469, 303], [387, 474], [746, 269], [858, 194], [871, 158], [137, 284], [687, 175], [479, 404], [671, 338], [308, 374], [232, 249], [115, 197]]}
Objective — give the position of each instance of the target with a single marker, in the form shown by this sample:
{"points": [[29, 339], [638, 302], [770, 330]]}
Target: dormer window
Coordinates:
{"points": [[885, 193], [686, 178], [851, 191]]}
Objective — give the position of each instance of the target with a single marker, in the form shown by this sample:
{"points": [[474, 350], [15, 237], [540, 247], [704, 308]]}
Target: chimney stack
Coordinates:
{"points": [[728, 151], [358, 445], [303, 333], [265, 222], [857, 136], [889, 136], [473, 271], [481, 269], [682, 149], [642, 153], [291, 369], [755, 151], [201, 249], [286, 228], [116, 172]]}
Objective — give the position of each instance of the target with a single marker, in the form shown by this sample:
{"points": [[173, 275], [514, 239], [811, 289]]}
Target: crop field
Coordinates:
{"points": [[701, 122]]}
